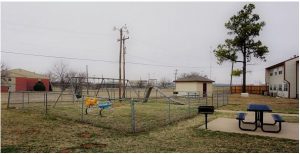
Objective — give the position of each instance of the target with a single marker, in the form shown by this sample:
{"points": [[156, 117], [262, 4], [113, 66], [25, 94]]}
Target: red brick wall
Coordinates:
{"points": [[21, 84], [4, 89], [27, 84]]}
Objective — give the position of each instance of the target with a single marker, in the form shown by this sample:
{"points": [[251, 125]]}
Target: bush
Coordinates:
{"points": [[39, 86]]}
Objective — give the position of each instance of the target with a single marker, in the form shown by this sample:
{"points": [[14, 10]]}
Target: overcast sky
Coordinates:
{"points": [[176, 34]]}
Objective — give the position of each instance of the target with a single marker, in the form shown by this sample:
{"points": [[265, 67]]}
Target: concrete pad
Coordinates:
{"points": [[244, 94], [288, 130]]}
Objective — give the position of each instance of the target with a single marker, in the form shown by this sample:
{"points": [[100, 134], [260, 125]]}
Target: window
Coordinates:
{"points": [[274, 87], [270, 86], [280, 87], [9, 79], [280, 72], [271, 74], [275, 73], [285, 87]]}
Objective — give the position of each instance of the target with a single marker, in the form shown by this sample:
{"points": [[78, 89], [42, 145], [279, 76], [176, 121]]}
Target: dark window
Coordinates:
{"points": [[271, 74], [9, 79], [275, 73], [280, 87], [270, 87], [274, 86], [285, 87], [280, 72]]}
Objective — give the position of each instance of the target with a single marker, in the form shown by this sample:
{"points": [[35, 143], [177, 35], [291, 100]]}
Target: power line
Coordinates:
{"points": [[101, 60]]}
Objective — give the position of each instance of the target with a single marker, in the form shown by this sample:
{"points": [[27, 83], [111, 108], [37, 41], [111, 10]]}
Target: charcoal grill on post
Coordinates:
{"points": [[206, 110]]}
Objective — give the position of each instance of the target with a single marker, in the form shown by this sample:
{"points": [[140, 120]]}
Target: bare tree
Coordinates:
{"points": [[191, 75], [60, 73], [4, 73], [164, 82]]}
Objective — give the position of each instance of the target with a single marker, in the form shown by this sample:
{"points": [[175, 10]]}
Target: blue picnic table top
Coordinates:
{"points": [[259, 107]]}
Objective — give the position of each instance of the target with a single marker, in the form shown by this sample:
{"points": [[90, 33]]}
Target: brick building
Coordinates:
{"points": [[22, 80]]}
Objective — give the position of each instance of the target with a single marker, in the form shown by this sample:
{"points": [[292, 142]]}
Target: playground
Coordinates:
{"points": [[27, 131], [129, 115]]}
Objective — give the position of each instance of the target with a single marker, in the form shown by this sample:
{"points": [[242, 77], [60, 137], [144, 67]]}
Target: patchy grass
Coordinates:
{"points": [[33, 132], [281, 105]]}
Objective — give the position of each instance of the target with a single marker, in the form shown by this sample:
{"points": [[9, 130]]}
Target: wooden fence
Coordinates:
{"points": [[251, 89]]}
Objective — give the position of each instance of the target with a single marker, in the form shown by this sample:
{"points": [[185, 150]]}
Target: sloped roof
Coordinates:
{"points": [[25, 73], [281, 63], [194, 79]]}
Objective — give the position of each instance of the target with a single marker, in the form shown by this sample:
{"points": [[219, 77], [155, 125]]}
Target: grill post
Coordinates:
{"points": [[206, 110], [205, 120]]}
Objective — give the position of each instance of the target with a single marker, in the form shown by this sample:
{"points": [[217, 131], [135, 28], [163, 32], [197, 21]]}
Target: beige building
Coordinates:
{"points": [[194, 86], [282, 78]]}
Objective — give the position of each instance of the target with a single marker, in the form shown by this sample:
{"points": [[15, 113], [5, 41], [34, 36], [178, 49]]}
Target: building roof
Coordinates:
{"points": [[194, 79], [25, 73], [281, 63]]}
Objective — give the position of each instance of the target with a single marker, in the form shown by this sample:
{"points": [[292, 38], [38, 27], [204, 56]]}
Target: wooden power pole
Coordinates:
{"points": [[120, 59], [124, 52]]}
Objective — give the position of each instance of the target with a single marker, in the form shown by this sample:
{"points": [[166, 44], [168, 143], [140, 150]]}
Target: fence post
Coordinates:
{"points": [[169, 112], [227, 99], [23, 101], [82, 107], [132, 116], [156, 95], [8, 100], [46, 103], [189, 105], [44, 99], [223, 96], [28, 98], [217, 100]]}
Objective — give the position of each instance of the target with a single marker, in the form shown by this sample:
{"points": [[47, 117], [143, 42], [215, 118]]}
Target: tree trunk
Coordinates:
{"points": [[244, 71], [231, 77]]}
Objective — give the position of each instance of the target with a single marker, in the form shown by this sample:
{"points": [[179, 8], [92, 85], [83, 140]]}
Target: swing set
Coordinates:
{"points": [[92, 83]]}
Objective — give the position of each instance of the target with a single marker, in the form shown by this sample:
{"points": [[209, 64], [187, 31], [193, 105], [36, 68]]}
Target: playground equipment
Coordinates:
{"points": [[77, 85], [148, 92], [92, 102]]}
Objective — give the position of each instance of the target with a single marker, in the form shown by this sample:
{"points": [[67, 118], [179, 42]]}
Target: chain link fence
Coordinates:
{"points": [[129, 115]]}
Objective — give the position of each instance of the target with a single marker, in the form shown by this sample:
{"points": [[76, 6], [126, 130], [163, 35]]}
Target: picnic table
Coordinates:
{"points": [[259, 110]]}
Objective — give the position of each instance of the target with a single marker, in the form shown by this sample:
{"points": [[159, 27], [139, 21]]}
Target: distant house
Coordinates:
{"points": [[283, 78], [22, 80], [194, 85]]}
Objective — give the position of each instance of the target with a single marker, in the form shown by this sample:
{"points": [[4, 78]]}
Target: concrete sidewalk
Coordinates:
{"points": [[288, 130]]}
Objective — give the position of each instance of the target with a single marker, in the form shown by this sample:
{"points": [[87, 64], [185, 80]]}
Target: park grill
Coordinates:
{"points": [[206, 110]]}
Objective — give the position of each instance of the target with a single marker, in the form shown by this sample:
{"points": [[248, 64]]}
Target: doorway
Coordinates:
{"points": [[204, 89]]}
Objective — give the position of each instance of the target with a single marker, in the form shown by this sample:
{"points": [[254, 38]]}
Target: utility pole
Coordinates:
{"points": [[121, 30], [120, 59], [124, 52]]}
